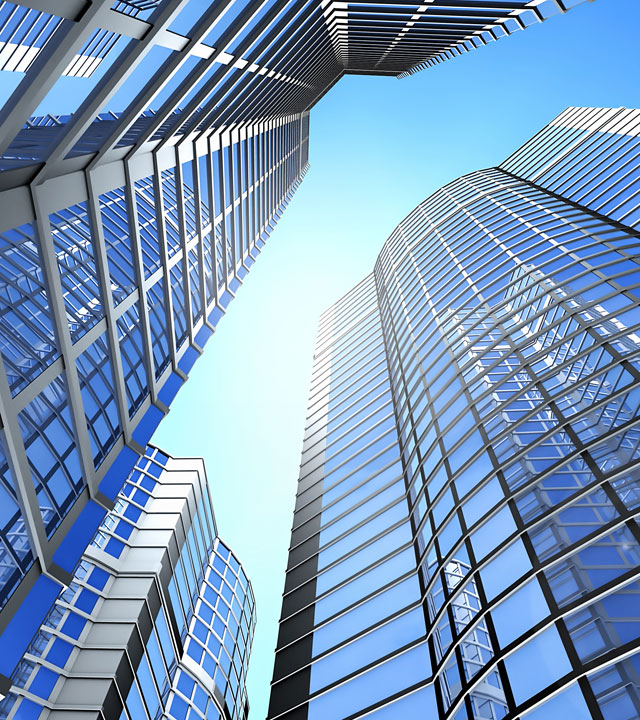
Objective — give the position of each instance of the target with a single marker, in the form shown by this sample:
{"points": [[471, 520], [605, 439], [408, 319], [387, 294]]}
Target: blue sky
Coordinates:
{"points": [[379, 146]]}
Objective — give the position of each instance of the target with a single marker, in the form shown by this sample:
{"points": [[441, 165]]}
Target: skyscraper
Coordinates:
{"points": [[158, 618], [465, 542], [147, 149]]}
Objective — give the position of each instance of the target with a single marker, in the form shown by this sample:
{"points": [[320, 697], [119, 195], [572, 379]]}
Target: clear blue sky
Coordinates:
{"points": [[379, 146]]}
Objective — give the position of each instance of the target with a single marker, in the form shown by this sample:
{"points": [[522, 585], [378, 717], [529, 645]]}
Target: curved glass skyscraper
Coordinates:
{"points": [[465, 542], [147, 150]]}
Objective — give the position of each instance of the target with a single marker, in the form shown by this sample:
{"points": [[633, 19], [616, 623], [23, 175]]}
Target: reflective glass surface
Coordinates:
{"points": [[87, 634], [471, 464]]}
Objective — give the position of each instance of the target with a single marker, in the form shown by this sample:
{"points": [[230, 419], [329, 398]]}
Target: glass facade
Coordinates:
{"points": [[158, 619], [128, 224], [147, 150], [464, 541]]}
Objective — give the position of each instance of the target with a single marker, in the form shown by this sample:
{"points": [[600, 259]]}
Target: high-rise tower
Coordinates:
{"points": [[147, 148], [158, 619], [465, 542]]}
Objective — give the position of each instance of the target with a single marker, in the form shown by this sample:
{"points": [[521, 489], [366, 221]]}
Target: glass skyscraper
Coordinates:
{"points": [[147, 149], [158, 619], [465, 542]]}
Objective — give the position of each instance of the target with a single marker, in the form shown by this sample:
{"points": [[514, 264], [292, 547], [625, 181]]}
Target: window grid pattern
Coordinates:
{"points": [[254, 78], [132, 355], [115, 530], [590, 156], [180, 318], [148, 225], [170, 214], [512, 322], [49, 443], [52, 649], [157, 680], [504, 332], [115, 225], [76, 263], [28, 344], [96, 386], [352, 536], [222, 626], [16, 556], [157, 305], [143, 108]]}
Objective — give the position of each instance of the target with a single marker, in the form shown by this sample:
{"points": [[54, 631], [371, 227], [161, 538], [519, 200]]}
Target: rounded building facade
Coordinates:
{"points": [[511, 322], [465, 543]]}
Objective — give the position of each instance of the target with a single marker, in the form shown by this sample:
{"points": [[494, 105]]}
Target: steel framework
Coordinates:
{"points": [[144, 627], [130, 216], [465, 541]]}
